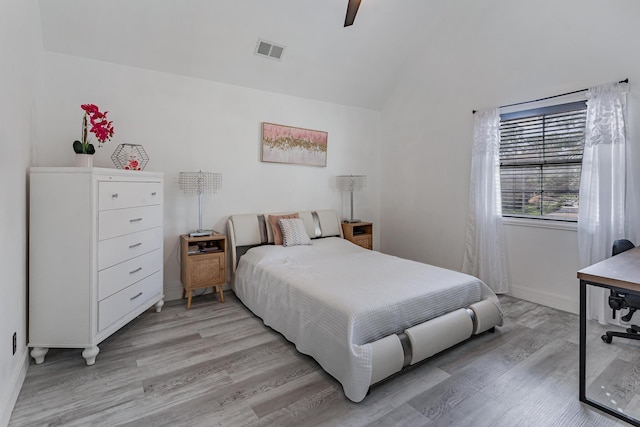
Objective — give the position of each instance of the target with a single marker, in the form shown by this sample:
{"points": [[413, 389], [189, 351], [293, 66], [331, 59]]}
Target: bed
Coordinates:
{"points": [[362, 315]]}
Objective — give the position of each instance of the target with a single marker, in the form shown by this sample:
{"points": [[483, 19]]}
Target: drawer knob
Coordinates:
{"points": [[136, 270], [114, 196], [135, 220], [135, 245], [153, 194], [134, 297]]}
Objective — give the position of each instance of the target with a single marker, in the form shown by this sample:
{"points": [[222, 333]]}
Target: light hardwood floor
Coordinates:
{"points": [[217, 364]]}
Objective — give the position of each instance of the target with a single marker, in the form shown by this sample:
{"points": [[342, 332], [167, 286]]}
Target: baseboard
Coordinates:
{"points": [[546, 298], [172, 293], [10, 394]]}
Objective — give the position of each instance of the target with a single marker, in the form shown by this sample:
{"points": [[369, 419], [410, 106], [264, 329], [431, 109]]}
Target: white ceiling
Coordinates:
{"points": [[216, 39]]}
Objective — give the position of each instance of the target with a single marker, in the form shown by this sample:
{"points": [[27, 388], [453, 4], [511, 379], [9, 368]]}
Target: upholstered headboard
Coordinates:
{"points": [[249, 230]]}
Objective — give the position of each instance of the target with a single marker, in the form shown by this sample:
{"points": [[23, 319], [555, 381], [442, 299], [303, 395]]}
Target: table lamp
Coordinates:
{"points": [[200, 183], [351, 183]]}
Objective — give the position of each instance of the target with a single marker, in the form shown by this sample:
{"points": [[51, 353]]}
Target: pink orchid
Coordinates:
{"points": [[100, 127]]}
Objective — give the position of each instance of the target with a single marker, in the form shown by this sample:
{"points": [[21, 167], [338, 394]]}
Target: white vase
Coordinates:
{"points": [[84, 160]]}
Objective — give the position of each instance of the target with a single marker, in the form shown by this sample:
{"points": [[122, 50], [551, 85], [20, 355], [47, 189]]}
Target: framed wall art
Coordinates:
{"points": [[286, 144]]}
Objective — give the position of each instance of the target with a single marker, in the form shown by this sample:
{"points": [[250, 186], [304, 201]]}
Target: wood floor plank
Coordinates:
{"points": [[217, 364], [383, 398], [472, 411], [443, 398], [617, 385], [283, 396], [203, 411], [304, 411], [404, 415]]}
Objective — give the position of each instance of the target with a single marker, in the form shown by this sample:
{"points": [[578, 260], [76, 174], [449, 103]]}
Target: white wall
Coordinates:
{"points": [[21, 48], [493, 53], [187, 124]]}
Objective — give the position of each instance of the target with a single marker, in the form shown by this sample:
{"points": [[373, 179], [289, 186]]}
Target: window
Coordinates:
{"points": [[540, 161]]}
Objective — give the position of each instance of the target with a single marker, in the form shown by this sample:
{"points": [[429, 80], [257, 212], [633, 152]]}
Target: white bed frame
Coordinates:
{"points": [[392, 353]]}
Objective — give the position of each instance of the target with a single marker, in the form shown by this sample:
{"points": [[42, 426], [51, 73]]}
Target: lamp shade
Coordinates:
{"points": [[351, 182], [199, 182]]}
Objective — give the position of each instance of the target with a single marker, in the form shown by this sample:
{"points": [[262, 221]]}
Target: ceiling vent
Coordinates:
{"points": [[269, 50]]}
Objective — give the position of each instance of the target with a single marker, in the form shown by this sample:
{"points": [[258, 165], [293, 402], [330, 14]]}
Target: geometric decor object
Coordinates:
{"points": [[200, 183], [130, 157], [351, 183]]}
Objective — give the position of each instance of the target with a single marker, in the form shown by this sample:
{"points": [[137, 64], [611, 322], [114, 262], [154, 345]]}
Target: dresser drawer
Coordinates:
{"points": [[124, 221], [118, 277], [119, 304], [122, 248], [119, 195]]}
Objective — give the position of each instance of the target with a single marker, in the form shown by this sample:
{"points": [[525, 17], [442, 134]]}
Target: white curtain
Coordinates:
{"points": [[602, 215], [485, 254]]}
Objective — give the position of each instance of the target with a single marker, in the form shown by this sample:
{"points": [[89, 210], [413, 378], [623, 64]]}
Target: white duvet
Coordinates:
{"points": [[333, 298]]}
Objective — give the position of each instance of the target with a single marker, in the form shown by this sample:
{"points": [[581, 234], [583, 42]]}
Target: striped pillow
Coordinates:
{"points": [[275, 227], [293, 232]]}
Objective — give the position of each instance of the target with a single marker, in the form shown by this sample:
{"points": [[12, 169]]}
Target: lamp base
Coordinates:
{"points": [[352, 220], [201, 233]]}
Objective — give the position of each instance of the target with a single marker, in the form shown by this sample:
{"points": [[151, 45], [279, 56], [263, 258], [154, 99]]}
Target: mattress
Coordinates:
{"points": [[333, 298]]}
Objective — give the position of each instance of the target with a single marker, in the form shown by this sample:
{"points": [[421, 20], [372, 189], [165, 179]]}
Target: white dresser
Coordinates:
{"points": [[95, 254]]}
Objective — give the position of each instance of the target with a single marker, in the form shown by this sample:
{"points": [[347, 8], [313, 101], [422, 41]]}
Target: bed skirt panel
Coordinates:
{"points": [[387, 358], [487, 315], [438, 334]]}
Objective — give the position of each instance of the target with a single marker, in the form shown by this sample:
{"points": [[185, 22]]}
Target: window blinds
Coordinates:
{"points": [[540, 161]]}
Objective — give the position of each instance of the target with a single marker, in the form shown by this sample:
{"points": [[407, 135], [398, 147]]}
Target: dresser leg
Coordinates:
{"points": [[38, 354], [189, 299], [220, 293], [90, 354], [159, 305]]}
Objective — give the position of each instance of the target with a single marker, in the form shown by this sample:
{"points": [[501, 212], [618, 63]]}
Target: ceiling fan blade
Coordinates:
{"points": [[352, 9]]}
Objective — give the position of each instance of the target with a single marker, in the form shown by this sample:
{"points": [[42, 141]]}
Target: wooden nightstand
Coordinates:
{"points": [[202, 264], [360, 233]]}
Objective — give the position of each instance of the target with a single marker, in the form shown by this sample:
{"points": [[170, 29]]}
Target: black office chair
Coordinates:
{"points": [[619, 300]]}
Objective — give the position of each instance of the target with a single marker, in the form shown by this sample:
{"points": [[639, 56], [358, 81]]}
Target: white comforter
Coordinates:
{"points": [[333, 298]]}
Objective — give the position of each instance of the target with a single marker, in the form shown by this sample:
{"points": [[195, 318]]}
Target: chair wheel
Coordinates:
{"points": [[631, 331], [606, 338]]}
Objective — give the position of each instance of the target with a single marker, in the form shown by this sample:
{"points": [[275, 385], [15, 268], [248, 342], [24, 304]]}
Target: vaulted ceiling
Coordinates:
{"points": [[216, 39]]}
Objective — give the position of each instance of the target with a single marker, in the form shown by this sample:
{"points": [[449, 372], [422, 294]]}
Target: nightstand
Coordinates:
{"points": [[360, 233], [202, 264]]}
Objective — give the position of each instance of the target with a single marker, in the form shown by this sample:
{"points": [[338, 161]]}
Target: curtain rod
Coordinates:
{"points": [[550, 97]]}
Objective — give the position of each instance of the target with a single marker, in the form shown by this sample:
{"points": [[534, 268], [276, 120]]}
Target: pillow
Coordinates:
{"points": [[275, 227], [293, 232]]}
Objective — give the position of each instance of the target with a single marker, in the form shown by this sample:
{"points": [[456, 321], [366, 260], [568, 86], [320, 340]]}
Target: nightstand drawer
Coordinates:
{"points": [[364, 241], [119, 304], [360, 233], [124, 221], [118, 277], [122, 248], [206, 270], [119, 195]]}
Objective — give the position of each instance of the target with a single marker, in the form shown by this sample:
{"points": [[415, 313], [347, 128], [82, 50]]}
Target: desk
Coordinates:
{"points": [[622, 272]]}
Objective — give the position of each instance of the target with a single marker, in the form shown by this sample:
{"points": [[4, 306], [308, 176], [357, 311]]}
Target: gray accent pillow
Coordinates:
{"points": [[293, 232]]}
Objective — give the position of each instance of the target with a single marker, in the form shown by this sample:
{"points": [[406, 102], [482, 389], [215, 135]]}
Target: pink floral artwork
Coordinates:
{"points": [[286, 144]]}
